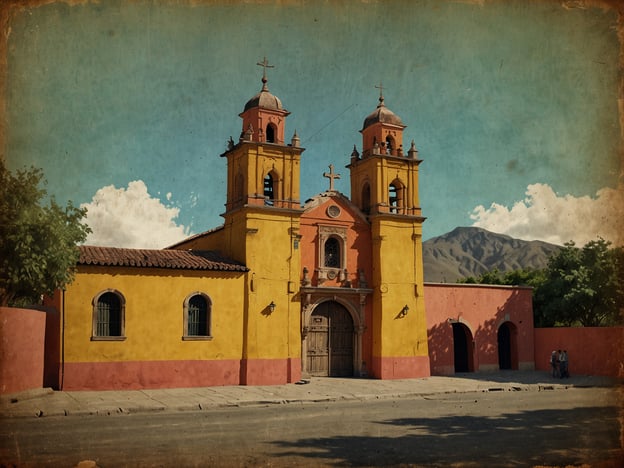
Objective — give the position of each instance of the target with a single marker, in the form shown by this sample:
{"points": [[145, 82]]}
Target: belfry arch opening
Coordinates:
{"points": [[271, 133], [366, 198], [270, 189], [239, 187], [395, 197], [390, 146]]}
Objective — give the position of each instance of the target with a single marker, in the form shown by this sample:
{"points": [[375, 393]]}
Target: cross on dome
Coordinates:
{"points": [[381, 98], [264, 64]]}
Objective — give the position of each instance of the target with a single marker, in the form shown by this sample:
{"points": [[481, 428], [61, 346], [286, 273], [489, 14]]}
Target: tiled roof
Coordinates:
{"points": [[147, 258]]}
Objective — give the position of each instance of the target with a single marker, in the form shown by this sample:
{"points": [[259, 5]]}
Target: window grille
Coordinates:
{"points": [[108, 315], [197, 316], [332, 253]]}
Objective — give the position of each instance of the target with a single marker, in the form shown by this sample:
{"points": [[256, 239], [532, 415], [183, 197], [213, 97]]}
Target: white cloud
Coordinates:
{"points": [[543, 215], [131, 218]]}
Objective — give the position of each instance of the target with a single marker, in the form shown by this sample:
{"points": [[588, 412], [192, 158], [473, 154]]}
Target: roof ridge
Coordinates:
{"points": [[158, 258]]}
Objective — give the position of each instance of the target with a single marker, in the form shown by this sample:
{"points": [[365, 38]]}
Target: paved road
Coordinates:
{"points": [[571, 426]]}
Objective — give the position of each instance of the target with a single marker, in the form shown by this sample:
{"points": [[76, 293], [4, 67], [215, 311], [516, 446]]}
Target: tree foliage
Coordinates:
{"points": [[526, 277], [584, 286], [580, 286], [38, 242]]}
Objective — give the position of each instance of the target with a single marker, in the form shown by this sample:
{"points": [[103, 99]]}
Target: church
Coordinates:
{"points": [[283, 290]]}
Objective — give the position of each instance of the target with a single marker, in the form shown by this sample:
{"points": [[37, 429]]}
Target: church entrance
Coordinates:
{"points": [[330, 341], [507, 352], [462, 348]]}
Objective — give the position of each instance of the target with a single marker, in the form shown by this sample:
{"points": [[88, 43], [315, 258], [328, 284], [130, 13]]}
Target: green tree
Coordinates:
{"points": [[583, 286], [525, 277], [38, 242]]}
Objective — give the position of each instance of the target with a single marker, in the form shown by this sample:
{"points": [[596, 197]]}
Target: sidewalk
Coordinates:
{"points": [[46, 402]]}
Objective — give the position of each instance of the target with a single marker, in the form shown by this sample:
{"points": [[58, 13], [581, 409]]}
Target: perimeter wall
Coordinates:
{"points": [[591, 350], [22, 341]]}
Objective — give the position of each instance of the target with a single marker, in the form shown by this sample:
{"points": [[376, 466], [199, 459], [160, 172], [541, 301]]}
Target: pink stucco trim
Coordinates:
{"points": [[270, 371], [135, 375], [22, 333], [388, 368]]}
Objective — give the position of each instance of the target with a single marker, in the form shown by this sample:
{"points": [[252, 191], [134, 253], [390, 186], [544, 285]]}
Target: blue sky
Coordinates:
{"points": [[512, 106]]}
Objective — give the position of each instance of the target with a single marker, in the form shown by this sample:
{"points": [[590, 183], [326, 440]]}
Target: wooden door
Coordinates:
{"points": [[330, 341]]}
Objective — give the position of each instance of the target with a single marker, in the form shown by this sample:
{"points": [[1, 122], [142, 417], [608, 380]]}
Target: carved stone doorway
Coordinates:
{"points": [[330, 341]]}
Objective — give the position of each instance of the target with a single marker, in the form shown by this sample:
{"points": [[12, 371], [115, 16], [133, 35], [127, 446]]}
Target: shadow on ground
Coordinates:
{"points": [[542, 437]]}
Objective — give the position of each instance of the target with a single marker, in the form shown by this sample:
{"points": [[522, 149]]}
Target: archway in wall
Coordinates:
{"points": [[507, 346], [330, 341], [462, 348]]}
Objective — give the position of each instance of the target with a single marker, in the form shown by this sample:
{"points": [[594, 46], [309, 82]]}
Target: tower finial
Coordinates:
{"points": [[381, 98], [265, 64]]}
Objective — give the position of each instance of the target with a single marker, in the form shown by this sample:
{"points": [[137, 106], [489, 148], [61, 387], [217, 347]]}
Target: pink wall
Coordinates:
{"points": [[22, 335], [481, 310], [591, 351], [136, 375]]}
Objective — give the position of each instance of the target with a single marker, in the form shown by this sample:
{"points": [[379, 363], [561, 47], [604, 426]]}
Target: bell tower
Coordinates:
{"points": [[262, 169], [384, 178], [384, 185], [261, 230]]}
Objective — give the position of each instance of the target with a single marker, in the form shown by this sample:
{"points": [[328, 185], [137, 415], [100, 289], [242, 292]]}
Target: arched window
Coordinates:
{"points": [[197, 316], [269, 190], [108, 316], [270, 133], [332, 253], [366, 198]]}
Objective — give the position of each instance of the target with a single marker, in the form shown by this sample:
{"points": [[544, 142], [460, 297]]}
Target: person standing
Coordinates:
{"points": [[563, 364], [554, 363]]}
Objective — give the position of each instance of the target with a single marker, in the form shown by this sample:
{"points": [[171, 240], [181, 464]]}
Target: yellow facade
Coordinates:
{"points": [[153, 310], [397, 270]]}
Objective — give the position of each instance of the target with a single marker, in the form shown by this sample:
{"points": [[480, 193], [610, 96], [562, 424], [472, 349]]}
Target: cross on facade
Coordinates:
{"points": [[331, 175], [265, 64]]}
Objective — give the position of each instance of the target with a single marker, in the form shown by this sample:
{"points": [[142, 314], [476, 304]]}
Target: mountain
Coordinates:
{"points": [[471, 251]]}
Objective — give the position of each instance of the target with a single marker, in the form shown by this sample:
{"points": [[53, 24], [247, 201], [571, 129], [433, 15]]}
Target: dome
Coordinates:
{"points": [[264, 99], [383, 115]]}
